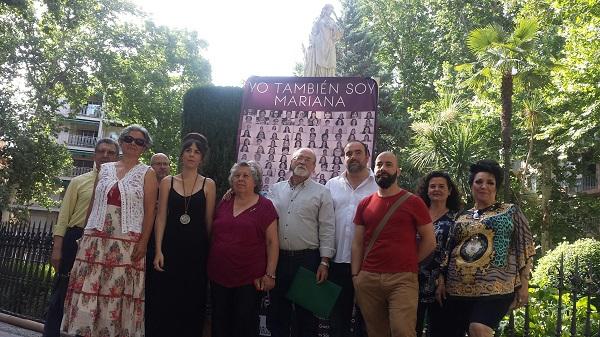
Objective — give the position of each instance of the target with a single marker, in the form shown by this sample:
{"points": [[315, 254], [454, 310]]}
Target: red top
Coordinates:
{"points": [[395, 250], [114, 196], [238, 251]]}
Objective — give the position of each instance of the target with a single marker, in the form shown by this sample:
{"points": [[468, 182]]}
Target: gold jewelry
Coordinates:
{"points": [[185, 218]]}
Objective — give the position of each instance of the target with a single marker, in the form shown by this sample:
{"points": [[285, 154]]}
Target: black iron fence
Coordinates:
{"points": [[570, 309], [25, 272]]}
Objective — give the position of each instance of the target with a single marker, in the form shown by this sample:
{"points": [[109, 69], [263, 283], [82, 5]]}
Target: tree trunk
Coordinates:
{"points": [[546, 189], [506, 124]]}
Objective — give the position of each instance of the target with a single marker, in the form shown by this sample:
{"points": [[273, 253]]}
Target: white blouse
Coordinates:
{"points": [[131, 188]]}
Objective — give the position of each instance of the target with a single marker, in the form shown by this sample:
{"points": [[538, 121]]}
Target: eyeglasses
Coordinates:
{"points": [[303, 159], [138, 141]]}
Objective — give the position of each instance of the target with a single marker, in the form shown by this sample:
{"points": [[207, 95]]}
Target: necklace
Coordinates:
{"points": [[185, 218], [478, 213]]}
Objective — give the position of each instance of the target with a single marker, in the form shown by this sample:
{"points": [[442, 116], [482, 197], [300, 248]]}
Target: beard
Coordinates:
{"points": [[354, 167], [385, 180], [300, 171]]}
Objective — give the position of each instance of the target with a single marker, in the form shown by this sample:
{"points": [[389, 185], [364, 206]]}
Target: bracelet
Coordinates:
{"points": [[323, 263], [271, 276], [354, 275]]}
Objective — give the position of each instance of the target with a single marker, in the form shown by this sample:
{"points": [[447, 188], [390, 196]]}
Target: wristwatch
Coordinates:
{"points": [[323, 263]]}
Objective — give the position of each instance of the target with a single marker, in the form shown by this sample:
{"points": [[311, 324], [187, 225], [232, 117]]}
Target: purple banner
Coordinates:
{"points": [[282, 114], [311, 93]]}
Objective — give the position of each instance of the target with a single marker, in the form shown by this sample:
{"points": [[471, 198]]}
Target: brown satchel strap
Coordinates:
{"points": [[383, 221]]}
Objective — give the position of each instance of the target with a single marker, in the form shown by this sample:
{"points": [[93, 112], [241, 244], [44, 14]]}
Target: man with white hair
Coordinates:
{"points": [[306, 239]]}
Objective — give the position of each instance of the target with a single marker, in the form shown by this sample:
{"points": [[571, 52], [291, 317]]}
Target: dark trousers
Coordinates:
{"points": [[149, 284], [234, 311], [61, 283], [292, 320], [433, 314], [341, 314]]}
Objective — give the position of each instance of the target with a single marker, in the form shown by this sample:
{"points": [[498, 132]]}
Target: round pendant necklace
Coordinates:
{"points": [[185, 218]]}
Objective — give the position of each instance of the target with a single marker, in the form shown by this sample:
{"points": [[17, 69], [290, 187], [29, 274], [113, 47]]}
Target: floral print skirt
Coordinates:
{"points": [[106, 288]]}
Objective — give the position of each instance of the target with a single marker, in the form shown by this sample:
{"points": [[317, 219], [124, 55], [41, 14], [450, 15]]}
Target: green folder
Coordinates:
{"points": [[316, 298]]}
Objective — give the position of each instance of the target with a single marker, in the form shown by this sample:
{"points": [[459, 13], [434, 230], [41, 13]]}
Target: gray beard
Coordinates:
{"points": [[301, 172]]}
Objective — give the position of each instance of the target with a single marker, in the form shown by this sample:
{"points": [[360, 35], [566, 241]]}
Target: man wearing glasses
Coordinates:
{"points": [[306, 239], [69, 228]]}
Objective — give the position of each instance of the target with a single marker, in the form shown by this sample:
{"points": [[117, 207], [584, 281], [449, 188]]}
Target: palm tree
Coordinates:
{"points": [[502, 55], [446, 140]]}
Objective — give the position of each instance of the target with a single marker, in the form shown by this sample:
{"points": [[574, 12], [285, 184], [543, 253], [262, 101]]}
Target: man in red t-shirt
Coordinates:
{"points": [[385, 280]]}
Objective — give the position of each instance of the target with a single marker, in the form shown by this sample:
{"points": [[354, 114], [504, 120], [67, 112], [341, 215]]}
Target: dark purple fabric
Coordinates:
{"points": [[238, 252]]}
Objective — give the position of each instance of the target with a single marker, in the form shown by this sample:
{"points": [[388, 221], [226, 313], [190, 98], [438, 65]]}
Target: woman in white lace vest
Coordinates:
{"points": [[106, 288]]}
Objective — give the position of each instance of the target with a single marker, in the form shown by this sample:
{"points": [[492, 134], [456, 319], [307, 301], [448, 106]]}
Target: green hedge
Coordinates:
{"points": [[586, 250], [214, 112]]}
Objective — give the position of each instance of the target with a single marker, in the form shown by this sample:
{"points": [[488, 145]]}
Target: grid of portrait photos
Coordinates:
{"points": [[270, 137]]}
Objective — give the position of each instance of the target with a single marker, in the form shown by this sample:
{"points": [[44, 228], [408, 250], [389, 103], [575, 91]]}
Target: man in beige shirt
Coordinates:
{"points": [[306, 239], [69, 228]]}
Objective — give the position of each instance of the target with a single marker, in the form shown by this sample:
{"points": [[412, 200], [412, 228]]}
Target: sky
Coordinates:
{"points": [[245, 38]]}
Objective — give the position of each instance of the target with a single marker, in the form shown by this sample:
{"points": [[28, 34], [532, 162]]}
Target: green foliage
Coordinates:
{"points": [[147, 87], [357, 48], [408, 43], [543, 311], [574, 126], [56, 52], [447, 139], [215, 112], [586, 251]]}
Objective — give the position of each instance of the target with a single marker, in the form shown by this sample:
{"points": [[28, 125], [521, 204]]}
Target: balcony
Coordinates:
{"points": [[83, 141], [90, 110], [586, 184], [76, 170]]}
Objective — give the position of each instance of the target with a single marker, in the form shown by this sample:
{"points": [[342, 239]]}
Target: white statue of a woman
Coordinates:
{"points": [[320, 56]]}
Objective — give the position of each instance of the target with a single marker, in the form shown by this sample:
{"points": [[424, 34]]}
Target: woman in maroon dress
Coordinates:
{"points": [[243, 254]]}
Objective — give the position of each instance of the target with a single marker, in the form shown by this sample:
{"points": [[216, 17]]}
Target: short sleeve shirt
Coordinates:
{"points": [[238, 252], [395, 250]]}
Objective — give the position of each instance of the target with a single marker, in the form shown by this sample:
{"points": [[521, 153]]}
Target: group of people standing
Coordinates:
{"points": [[401, 256]]}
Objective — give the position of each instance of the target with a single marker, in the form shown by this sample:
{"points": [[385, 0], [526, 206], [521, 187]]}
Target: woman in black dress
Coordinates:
{"points": [[440, 194], [185, 210]]}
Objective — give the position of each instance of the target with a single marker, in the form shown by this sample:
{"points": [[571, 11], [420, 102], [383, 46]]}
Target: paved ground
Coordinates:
{"points": [[7, 330]]}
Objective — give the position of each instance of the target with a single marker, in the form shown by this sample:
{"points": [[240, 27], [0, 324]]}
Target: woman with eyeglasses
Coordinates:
{"points": [[491, 253], [185, 212], [106, 287], [441, 196]]}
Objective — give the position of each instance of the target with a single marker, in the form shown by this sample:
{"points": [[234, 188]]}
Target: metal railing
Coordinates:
{"points": [[90, 110], [570, 318], [76, 170], [84, 141], [25, 272], [586, 183]]}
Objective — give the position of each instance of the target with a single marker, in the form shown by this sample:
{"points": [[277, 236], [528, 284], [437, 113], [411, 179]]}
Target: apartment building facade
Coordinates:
{"points": [[80, 130]]}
